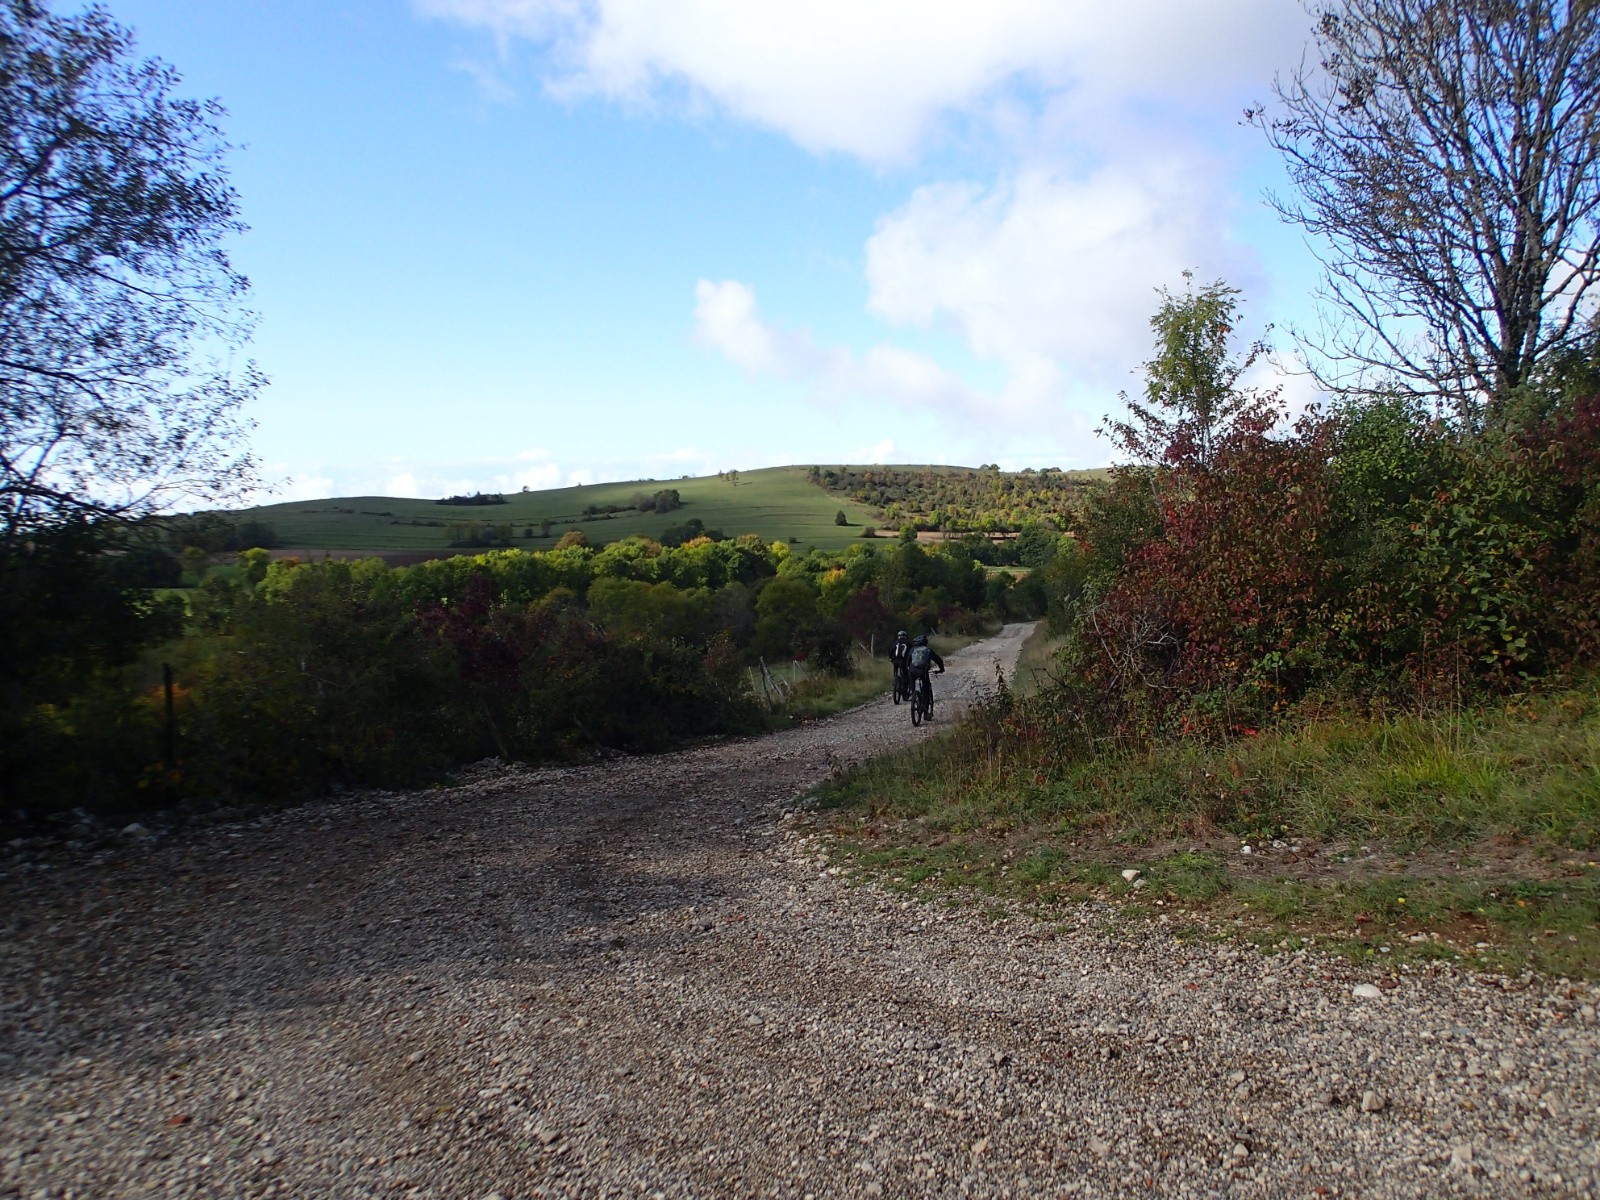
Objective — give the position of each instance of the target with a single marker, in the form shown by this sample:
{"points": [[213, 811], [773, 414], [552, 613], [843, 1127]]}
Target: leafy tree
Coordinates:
{"points": [[1447, 159], [254, 564], [1037, 544], [115, 287], [145, 566], [572, 539], [254, 534], [1192, 393], [677, 535], [840, 519]]}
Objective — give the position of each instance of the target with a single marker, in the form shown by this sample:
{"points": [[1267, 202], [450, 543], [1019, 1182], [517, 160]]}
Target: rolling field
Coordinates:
{"points": [[778, 503]]}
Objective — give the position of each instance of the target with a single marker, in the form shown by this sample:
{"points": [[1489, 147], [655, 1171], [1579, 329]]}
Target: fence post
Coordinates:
{"points": [[170, 755]]}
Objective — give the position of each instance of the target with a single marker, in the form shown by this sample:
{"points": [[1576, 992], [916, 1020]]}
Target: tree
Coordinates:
{"points": [[119, 308], [840, 519], [1447, 159], [1192, 392]]}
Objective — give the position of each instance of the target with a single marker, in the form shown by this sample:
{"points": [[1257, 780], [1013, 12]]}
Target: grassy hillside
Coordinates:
{"points": [[778, 503]]}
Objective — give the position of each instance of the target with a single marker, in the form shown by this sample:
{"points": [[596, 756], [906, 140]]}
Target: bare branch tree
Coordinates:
{"points": [[1446, 155]]}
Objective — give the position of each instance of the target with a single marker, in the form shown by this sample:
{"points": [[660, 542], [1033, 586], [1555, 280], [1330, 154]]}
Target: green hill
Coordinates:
{"points": [[779, 503]]}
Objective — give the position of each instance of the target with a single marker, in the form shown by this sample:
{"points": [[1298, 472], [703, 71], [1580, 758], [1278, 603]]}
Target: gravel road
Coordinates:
{"points": [[640, 979]]}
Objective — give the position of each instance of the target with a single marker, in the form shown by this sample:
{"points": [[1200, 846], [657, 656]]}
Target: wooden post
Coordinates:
{"points": [[171, 749]]}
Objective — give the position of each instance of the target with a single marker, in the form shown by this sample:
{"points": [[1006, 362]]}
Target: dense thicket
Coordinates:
{"points": [[1374, 555], [297, 676]]}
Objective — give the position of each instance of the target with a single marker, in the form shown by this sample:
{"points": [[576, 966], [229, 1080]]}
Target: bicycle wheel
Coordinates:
{"points": [[898, 690], [917, 692]]}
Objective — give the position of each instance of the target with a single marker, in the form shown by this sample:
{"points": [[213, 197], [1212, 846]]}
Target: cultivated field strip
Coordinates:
{"points": [[642, 979]]}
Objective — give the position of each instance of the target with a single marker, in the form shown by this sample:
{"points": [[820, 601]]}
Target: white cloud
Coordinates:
{"points": [[288, 488], [726, 320], [535, 479], [1104, 141], [872, 79], [881, 453], [1051, 274], [403, 483]]}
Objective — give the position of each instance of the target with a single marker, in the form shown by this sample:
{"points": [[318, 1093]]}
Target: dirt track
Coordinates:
{"points": [[636, 979]]}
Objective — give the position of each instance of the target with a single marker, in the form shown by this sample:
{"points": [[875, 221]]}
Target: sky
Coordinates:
{"points": [[528, 243]]}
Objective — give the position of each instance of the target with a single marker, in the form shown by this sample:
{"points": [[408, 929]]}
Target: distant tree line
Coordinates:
{"points": [[476, 499], [953, 500]]}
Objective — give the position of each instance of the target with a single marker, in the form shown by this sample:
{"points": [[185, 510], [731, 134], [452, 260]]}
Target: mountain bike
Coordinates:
{"points": [[921, 700]]}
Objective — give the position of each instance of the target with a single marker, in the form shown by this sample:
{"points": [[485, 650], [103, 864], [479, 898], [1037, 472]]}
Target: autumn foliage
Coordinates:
{"points": [[1374, 553]]}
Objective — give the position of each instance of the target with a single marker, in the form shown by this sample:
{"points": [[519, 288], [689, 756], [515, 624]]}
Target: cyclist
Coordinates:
{"points": [[922, 656], [898, 657]]}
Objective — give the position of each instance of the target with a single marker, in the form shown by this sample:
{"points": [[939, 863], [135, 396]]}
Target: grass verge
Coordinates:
{"points": [[824, 695], [1036, 662], [1469, 835]]}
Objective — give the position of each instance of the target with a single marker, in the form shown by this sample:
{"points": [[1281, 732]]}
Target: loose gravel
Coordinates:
{"points": [[643, 978]]}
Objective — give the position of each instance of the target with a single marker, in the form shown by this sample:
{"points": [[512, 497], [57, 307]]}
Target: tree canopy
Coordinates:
{"points": [[120, 312], [1192, 393]]}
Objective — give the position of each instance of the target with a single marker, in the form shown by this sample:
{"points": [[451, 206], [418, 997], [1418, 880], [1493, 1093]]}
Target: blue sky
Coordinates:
{"points": [[498, 243]]}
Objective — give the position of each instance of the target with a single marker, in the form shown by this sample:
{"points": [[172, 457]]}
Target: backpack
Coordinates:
{"points": [[919, 657]]}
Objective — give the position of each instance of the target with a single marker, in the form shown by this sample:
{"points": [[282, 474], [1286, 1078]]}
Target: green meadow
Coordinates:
{"points": [[778, 503]]}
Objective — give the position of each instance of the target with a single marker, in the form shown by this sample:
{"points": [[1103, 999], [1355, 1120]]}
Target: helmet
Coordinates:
{"points": [[920, 640], [901, 634]]}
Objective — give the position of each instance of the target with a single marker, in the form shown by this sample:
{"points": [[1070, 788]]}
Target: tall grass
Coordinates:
{"points": [[1036, 664], [1517, 787], [1531, 770], [823, 695]]}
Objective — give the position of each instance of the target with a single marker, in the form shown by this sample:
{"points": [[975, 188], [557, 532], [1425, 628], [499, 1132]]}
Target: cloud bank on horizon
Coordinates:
{"points": [[1099, 154]]}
